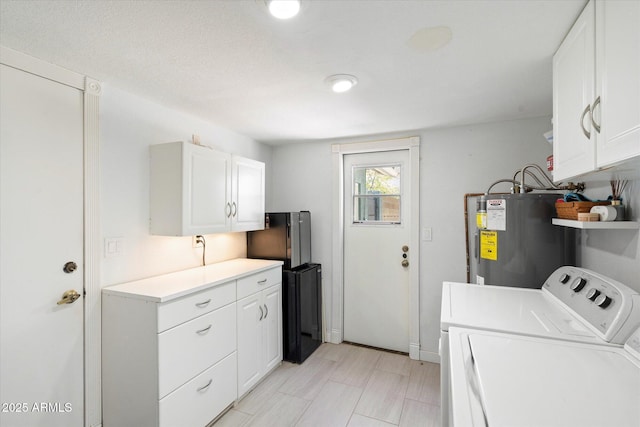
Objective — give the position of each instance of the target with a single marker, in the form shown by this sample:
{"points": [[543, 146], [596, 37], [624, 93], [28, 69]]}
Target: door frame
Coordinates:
{"points": [[412, 144], [91, 90]]}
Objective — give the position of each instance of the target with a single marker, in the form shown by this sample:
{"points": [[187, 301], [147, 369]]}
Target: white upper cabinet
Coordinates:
{"points": [[197, 190], [596, 90], [573, 92], [247, 206], [618, 82]]}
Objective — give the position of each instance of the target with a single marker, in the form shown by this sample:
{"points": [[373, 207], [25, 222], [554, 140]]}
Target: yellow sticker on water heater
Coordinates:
{"points": [[489, 245]]}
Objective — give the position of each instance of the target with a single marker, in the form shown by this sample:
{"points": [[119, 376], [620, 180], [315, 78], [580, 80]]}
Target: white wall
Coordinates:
{"points": [[453, 162], [614, 253], [128, 125]]}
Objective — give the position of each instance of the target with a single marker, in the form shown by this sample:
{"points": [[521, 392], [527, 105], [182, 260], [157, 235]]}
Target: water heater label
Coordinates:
{"points": [[489, 245], [497, 214]]}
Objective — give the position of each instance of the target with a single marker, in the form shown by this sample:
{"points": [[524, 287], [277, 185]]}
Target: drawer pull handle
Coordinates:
{"points": [[266, 311], [262, 282], [205, 330], [203, 303], [206, 386], [261, 313]]}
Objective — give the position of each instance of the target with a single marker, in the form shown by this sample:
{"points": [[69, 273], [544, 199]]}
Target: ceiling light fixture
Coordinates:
{"points": [[341, 82], [284, 9]]}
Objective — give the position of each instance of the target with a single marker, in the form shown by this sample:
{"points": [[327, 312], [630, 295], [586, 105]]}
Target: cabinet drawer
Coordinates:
{"points": [[259, 281], [188, 349], [200, 400], [183, 309]]}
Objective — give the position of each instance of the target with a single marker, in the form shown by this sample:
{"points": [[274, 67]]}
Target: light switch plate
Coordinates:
{"points": [[113, 246], [426, 234]]}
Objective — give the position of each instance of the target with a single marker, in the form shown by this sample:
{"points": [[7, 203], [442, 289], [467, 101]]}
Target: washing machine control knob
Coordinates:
{"points": [[603, 301], [578, 284], [564, 278], [593, 294]]}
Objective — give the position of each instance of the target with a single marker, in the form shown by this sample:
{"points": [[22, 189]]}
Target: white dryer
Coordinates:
{"points": [[507, 380], [574, 304]]}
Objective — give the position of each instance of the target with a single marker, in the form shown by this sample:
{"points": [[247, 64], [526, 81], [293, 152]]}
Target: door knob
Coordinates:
{"points": [[69, 297], [405, 263]]}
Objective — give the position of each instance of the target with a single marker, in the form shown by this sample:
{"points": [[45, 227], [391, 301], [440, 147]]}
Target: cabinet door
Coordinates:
{"points": [[272, 326], [250, 354], [618, 80], [206, 189], [573, 93], [248, 194]]}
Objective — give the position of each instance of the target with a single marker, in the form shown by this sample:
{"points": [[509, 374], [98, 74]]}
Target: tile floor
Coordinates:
{"points": [[344, 385]]}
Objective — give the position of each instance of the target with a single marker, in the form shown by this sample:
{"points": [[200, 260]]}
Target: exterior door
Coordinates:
{"points": [[41, 224], [376, 249]]}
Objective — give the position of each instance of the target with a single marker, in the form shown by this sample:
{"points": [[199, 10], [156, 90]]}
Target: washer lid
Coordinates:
{"points": [[537, 382], [513, 310]]}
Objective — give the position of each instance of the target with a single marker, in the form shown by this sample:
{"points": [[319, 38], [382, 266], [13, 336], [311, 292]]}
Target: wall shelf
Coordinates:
{"points": [[597, 225]]}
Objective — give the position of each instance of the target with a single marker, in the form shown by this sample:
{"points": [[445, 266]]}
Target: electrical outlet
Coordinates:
{"points": [[195, 242]]}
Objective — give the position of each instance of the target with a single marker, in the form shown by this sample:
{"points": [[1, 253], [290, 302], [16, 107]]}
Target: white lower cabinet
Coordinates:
{"points": [[172, 351], [207, 338], [259, 335], [194, 403]]}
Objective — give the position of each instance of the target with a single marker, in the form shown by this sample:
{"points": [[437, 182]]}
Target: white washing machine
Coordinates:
{"points": [[507, 380], [574, 304]]}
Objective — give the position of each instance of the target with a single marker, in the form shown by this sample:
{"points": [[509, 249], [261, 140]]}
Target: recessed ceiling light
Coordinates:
{"points": [[341, 82], [284, 9]]}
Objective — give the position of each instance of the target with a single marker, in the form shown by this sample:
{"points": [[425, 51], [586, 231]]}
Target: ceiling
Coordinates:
{"points": [[231, 63]]}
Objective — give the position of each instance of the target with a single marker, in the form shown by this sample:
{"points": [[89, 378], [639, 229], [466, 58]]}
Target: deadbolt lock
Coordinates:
{"points": [[70, 267], [405, 248]]}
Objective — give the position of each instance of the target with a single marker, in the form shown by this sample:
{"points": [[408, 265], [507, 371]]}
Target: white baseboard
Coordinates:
{"points": [[429, 356]]}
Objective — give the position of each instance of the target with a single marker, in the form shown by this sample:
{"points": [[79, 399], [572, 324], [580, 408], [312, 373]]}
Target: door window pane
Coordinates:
{"points": [[376, 194]]}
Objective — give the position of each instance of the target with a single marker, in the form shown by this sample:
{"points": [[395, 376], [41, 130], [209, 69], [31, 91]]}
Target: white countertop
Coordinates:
{"points": [[170, 286]]}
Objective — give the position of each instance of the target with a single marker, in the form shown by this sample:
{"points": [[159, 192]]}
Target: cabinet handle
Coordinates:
{"points": [[261, 313], [206, 386], [202, 331], [262, 282], [593, 110], [235, 209], [228, 210], [203, 303], [266, 310], [584, 113]]}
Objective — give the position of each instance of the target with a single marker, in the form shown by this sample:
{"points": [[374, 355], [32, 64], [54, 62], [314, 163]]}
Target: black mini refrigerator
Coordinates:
{"points": [[287, 237], [302, 315]]}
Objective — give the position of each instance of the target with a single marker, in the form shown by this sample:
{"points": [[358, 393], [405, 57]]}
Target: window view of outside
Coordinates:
{"points": [[376, 194]]}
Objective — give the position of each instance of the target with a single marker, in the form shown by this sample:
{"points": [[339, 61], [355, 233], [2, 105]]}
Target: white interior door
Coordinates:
{"points": [[41, 224], [376, 249]]}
